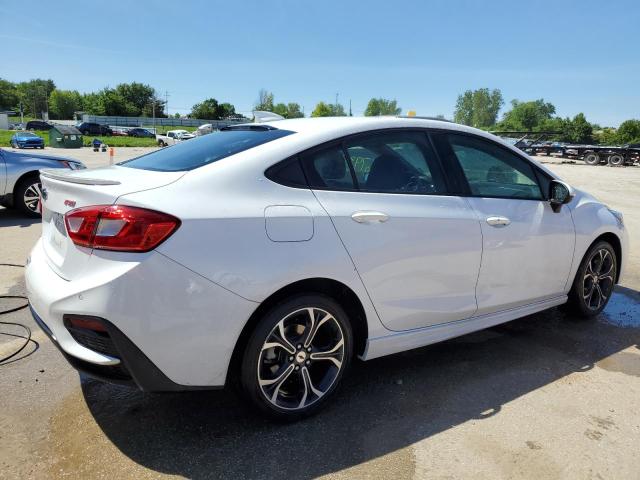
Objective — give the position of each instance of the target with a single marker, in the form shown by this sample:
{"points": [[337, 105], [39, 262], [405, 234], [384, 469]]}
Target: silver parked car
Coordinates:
{"points": [[20, 178]]}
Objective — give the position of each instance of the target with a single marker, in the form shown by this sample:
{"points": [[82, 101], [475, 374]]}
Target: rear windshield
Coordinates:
{"points": [[196, 152]]}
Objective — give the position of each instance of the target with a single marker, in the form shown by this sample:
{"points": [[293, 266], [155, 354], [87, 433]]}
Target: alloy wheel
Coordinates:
{"points": [[31, 196], [598, 279], [301, 358]]}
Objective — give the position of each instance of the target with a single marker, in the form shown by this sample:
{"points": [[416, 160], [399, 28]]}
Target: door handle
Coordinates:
{"points": [[498, 221], [369, 217]]}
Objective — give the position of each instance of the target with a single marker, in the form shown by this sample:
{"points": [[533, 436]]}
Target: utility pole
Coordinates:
{"points": [[337, 100], [350, 114], [166, 102]]}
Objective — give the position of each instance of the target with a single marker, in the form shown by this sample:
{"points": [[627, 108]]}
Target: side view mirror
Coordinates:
{"points": [[559, 194]]}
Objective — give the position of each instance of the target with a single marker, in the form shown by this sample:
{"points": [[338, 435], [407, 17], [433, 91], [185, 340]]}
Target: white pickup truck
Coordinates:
{"points": [[172, 137]]}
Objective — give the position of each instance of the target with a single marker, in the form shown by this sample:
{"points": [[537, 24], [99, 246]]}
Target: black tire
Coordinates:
{"points": [[281, 382], [584, 297], [591, 158], [19, 195], [616, 160]]}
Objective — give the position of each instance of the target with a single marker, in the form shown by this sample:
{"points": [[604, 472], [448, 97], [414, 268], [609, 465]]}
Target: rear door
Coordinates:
{"points": [[416, 247], [527, 247]]}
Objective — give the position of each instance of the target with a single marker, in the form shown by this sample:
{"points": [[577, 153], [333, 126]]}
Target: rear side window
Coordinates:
{"points": [[204, 150], [328, 169], [395, 162]]}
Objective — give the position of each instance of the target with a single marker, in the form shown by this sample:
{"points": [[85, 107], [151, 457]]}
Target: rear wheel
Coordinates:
{"points": [[27, 196], [616, 160], [594, 282], [296, 357], [591, 158]]}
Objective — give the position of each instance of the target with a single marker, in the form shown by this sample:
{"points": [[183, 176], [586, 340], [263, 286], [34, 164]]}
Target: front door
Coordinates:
{"points": [[416, 247], [527, 247]]}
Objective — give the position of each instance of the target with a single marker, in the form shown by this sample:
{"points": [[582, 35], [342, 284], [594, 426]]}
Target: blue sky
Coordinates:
{"points": [[580, 55]]}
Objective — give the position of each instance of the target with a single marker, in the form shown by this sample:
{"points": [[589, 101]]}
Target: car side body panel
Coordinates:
{"points": [[593, 219]]}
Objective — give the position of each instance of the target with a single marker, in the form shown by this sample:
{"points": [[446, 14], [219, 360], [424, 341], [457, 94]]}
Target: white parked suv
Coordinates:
{"points": [[269, 255]]}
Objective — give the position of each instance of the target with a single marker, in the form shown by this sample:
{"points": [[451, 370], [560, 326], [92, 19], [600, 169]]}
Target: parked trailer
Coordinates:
{"points": [[534, 144], [603, 154]]}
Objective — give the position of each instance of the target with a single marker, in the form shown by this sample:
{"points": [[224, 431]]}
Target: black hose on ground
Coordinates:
{"points": [[27, 336]]}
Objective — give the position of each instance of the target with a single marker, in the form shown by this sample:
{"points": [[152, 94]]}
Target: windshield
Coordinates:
{"points": [[27, 134], [204, 150]]}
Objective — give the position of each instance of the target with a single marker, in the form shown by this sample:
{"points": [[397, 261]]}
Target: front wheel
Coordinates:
{"points": [[296, 357], [594, 282], [27, 196]]}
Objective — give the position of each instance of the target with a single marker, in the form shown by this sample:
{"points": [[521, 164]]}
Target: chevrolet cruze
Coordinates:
{"points": [[270, 255]]}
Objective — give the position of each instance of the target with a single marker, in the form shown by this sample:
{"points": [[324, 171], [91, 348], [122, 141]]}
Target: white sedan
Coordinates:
{"points": [[270, 255]]}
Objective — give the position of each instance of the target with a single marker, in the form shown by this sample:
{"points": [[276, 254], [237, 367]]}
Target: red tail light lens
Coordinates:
{"points": [[119, 227]]}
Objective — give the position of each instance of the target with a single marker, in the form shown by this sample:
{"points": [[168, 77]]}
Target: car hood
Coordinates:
{"points": [[25, 157]]}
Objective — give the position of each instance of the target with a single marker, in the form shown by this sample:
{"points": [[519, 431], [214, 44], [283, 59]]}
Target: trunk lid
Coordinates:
{"points": [[65, 190]]}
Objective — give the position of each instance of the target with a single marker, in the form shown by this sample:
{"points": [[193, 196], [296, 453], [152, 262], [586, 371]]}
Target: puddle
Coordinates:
{"points": [[622, 311]]}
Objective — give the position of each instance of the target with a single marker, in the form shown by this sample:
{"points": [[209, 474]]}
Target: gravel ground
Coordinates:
{"points": [[547, 396]]}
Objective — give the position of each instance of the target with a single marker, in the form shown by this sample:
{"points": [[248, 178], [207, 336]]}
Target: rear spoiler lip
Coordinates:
{"points": [[65, 177]]}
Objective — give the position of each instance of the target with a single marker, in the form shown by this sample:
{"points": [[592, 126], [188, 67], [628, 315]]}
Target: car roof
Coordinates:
{"points": [[346, 125]]}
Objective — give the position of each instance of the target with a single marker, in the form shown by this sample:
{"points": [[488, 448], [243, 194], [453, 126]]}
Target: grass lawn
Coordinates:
{"points": [[5, 137]]}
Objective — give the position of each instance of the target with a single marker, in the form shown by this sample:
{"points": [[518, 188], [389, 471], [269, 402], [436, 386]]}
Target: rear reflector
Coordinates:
{"points": [[119, 227], [85, 323]]}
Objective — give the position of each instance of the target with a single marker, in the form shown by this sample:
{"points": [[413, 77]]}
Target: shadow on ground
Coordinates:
{"points": [[385, 404], [10, 217]]}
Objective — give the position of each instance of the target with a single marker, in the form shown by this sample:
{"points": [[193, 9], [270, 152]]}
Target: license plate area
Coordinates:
{"points": [[58, 222]]}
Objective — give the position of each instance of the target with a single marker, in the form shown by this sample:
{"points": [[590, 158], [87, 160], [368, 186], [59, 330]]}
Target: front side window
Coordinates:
{"points": [[395, 162], [492, 171]]}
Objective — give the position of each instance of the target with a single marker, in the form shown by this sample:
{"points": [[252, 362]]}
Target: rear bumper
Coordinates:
{"points": [[134, 368], [172, 329]]}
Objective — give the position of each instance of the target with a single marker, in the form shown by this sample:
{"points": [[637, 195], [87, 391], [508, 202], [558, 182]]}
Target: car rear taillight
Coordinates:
{"points": [[119, 227]]}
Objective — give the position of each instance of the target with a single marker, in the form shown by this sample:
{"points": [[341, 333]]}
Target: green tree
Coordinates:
{"points": [[64, 103], [93, 103], [629, 132], [527, 116], [265, 101], [382, 106], [328, 110], [35, 95], [322, 110], [478, 108], [115, 104], [290, 110], [294, 111], [207, 109], [210, 109], [577, 130], [605, 136], [9, 97], [137, 97]]}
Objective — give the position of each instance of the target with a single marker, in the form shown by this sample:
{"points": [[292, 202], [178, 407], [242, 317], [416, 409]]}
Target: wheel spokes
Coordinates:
{"points": [[278, 381], [315, 325], [308, 385], [279, 340], [334, 355]]}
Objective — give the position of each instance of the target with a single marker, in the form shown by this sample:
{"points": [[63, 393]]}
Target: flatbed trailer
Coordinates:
{"points": [[603, 154], [533, 143]]}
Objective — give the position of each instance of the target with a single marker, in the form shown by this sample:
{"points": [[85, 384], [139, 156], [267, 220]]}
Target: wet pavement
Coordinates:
{"points": [[546, 396]]}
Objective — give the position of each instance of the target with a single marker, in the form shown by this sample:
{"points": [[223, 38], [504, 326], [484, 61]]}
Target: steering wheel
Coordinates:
{"points": [[419, 184]]}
